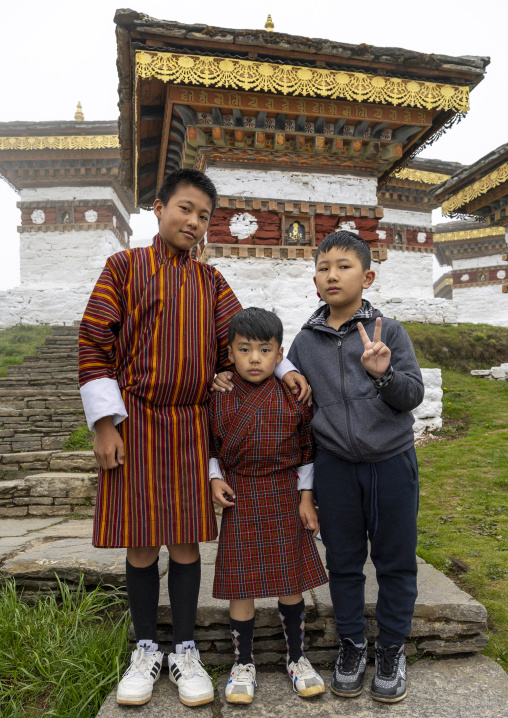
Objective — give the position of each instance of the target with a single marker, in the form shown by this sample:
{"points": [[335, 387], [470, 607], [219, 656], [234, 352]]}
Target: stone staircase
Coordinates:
{"points": [[40, 404]]}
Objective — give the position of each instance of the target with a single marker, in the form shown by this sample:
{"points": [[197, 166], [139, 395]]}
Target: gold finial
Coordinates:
{"points": [[79, 116], [269, 24]]}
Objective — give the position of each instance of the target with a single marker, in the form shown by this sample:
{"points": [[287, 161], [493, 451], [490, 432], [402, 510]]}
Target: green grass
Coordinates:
{"points": [[463, 521], [60, 658], [80, 440], [20, 341], [462, 347]]}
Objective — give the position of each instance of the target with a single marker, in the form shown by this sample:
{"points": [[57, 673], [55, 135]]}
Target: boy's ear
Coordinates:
{"points": [[280, 356], [314, 280], [230, 354], [368, 277], [157, 208]]}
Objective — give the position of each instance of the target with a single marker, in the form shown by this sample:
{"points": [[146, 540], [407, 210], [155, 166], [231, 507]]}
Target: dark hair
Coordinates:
{"points": [[349, 241], [255, 323], [195, 178]]}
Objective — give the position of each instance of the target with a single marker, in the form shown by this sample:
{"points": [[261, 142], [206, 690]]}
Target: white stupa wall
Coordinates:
{"points": [[487, 260], [65, 258], [298, 186], [482, 305]]}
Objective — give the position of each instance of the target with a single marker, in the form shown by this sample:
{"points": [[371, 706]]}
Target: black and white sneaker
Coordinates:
{"points": [[137, 682], [349, 671], [186, 671], [389, 683]]}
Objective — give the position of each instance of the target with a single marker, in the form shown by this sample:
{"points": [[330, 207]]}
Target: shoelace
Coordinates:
{"points": [[349, 657], [387, 660], [139, 664], [243, 674], [192, 665], [303, 668]]}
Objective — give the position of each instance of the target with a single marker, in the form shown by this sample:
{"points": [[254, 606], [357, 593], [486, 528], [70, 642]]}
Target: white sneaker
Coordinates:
{"points": [[187, 673], [305, 679], [241, 684], [136, 685]]}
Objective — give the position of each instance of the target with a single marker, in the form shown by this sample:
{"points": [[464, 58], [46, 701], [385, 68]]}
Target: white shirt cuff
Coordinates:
{"points": [[214, 471], [305, 477], [283, 368], [102, 397]]}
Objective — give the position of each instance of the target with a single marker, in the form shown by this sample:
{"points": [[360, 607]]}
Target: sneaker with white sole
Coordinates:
{"points": [[241, 683], [136, 685], [187, 673], [305, 679]]}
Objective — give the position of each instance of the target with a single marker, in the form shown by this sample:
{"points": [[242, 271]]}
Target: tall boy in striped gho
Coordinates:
{"points": [[262, 453], [153, 335], [365, 381]]}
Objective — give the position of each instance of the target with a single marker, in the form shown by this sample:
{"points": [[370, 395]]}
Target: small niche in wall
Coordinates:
{"points": [[298, 231], [399, 236], [65, 215]]}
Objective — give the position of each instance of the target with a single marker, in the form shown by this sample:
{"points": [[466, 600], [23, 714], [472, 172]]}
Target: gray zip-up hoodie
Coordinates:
{"points": [[352, 417]]}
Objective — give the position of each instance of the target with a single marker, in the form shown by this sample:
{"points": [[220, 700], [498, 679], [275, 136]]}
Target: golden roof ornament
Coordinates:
{"points": [[269, 26], [79, 116]]}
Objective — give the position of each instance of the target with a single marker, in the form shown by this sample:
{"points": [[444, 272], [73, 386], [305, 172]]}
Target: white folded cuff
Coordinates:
{"points": [[102, 397], [214, 471], [283, 368], [305, 477]]}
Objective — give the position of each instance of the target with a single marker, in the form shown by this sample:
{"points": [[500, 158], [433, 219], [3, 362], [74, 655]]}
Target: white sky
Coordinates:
{"points": [[55, 53]]}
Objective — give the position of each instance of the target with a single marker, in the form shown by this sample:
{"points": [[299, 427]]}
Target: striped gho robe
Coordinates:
{"points": [[153, 335], [260, 434]]}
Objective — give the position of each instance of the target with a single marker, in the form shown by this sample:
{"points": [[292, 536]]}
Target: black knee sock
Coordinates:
{"points": [[293, 623], [183, 589], [242, 633], [143, 595]]}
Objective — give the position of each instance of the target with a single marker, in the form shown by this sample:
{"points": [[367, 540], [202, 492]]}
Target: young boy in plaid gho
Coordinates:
{"points": [[365, 381], [153, 335], [261, 452]]}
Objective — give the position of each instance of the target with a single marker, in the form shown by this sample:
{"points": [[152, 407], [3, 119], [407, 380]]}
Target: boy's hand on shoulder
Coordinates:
{"points": [[222, 493], [222, 382], [108, 445], [376, 355], [297, 383], [308, 513]]}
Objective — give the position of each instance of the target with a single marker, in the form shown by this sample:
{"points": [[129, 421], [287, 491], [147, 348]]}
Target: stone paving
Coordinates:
{"points": [[467, 687]]}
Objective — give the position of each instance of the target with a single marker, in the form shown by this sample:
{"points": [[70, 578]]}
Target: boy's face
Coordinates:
{"points": [[255, 360], [184, 220], [340, 279]]}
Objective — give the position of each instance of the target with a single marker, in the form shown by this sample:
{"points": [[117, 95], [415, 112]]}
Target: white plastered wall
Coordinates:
{"points": [[482, 305], [488, 260], [298, 186]]}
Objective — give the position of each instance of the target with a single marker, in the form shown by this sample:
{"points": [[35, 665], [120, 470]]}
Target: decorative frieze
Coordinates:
{"points": [[476, 189], [297, 80], [65, 142], [250, 251]]}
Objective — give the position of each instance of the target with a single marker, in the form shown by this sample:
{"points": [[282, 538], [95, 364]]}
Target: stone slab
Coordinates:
{"points": [[438, 598], [164, 704], [469, 687], [76, 528], [21, 527]]}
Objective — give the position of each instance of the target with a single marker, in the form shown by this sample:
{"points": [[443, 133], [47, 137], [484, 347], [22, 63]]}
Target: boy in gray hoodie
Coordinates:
{"points": [[365, 381]]}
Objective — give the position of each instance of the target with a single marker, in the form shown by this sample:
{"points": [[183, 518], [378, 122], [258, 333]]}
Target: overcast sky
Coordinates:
{"points": [[55, 53]]}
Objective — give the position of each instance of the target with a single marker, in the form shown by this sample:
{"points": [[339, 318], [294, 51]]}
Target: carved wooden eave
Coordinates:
{"points": [[461, 240], [443, 287], [410, 187], [318, 102], [479, 190], [52, 154]]}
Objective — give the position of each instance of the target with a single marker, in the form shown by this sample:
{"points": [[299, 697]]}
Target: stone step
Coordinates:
{"points": [[19, 394], [465, 687], [21, 464], [48, 494], [446, 620]]}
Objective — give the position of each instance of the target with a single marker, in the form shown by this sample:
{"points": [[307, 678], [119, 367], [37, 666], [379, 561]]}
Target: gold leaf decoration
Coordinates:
{"points": [[420, 176], [294, 80], [68, 142], [472, 191], [469, 234]]}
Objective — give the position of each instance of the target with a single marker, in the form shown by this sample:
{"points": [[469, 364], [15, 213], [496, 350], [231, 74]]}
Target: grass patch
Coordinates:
{"points": [[80, 440], [20, 341], [463, 520], [60, 657], [462, 347]]}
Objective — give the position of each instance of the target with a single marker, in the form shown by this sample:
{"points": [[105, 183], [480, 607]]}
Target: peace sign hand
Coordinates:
{"points": [[376, 357]]}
